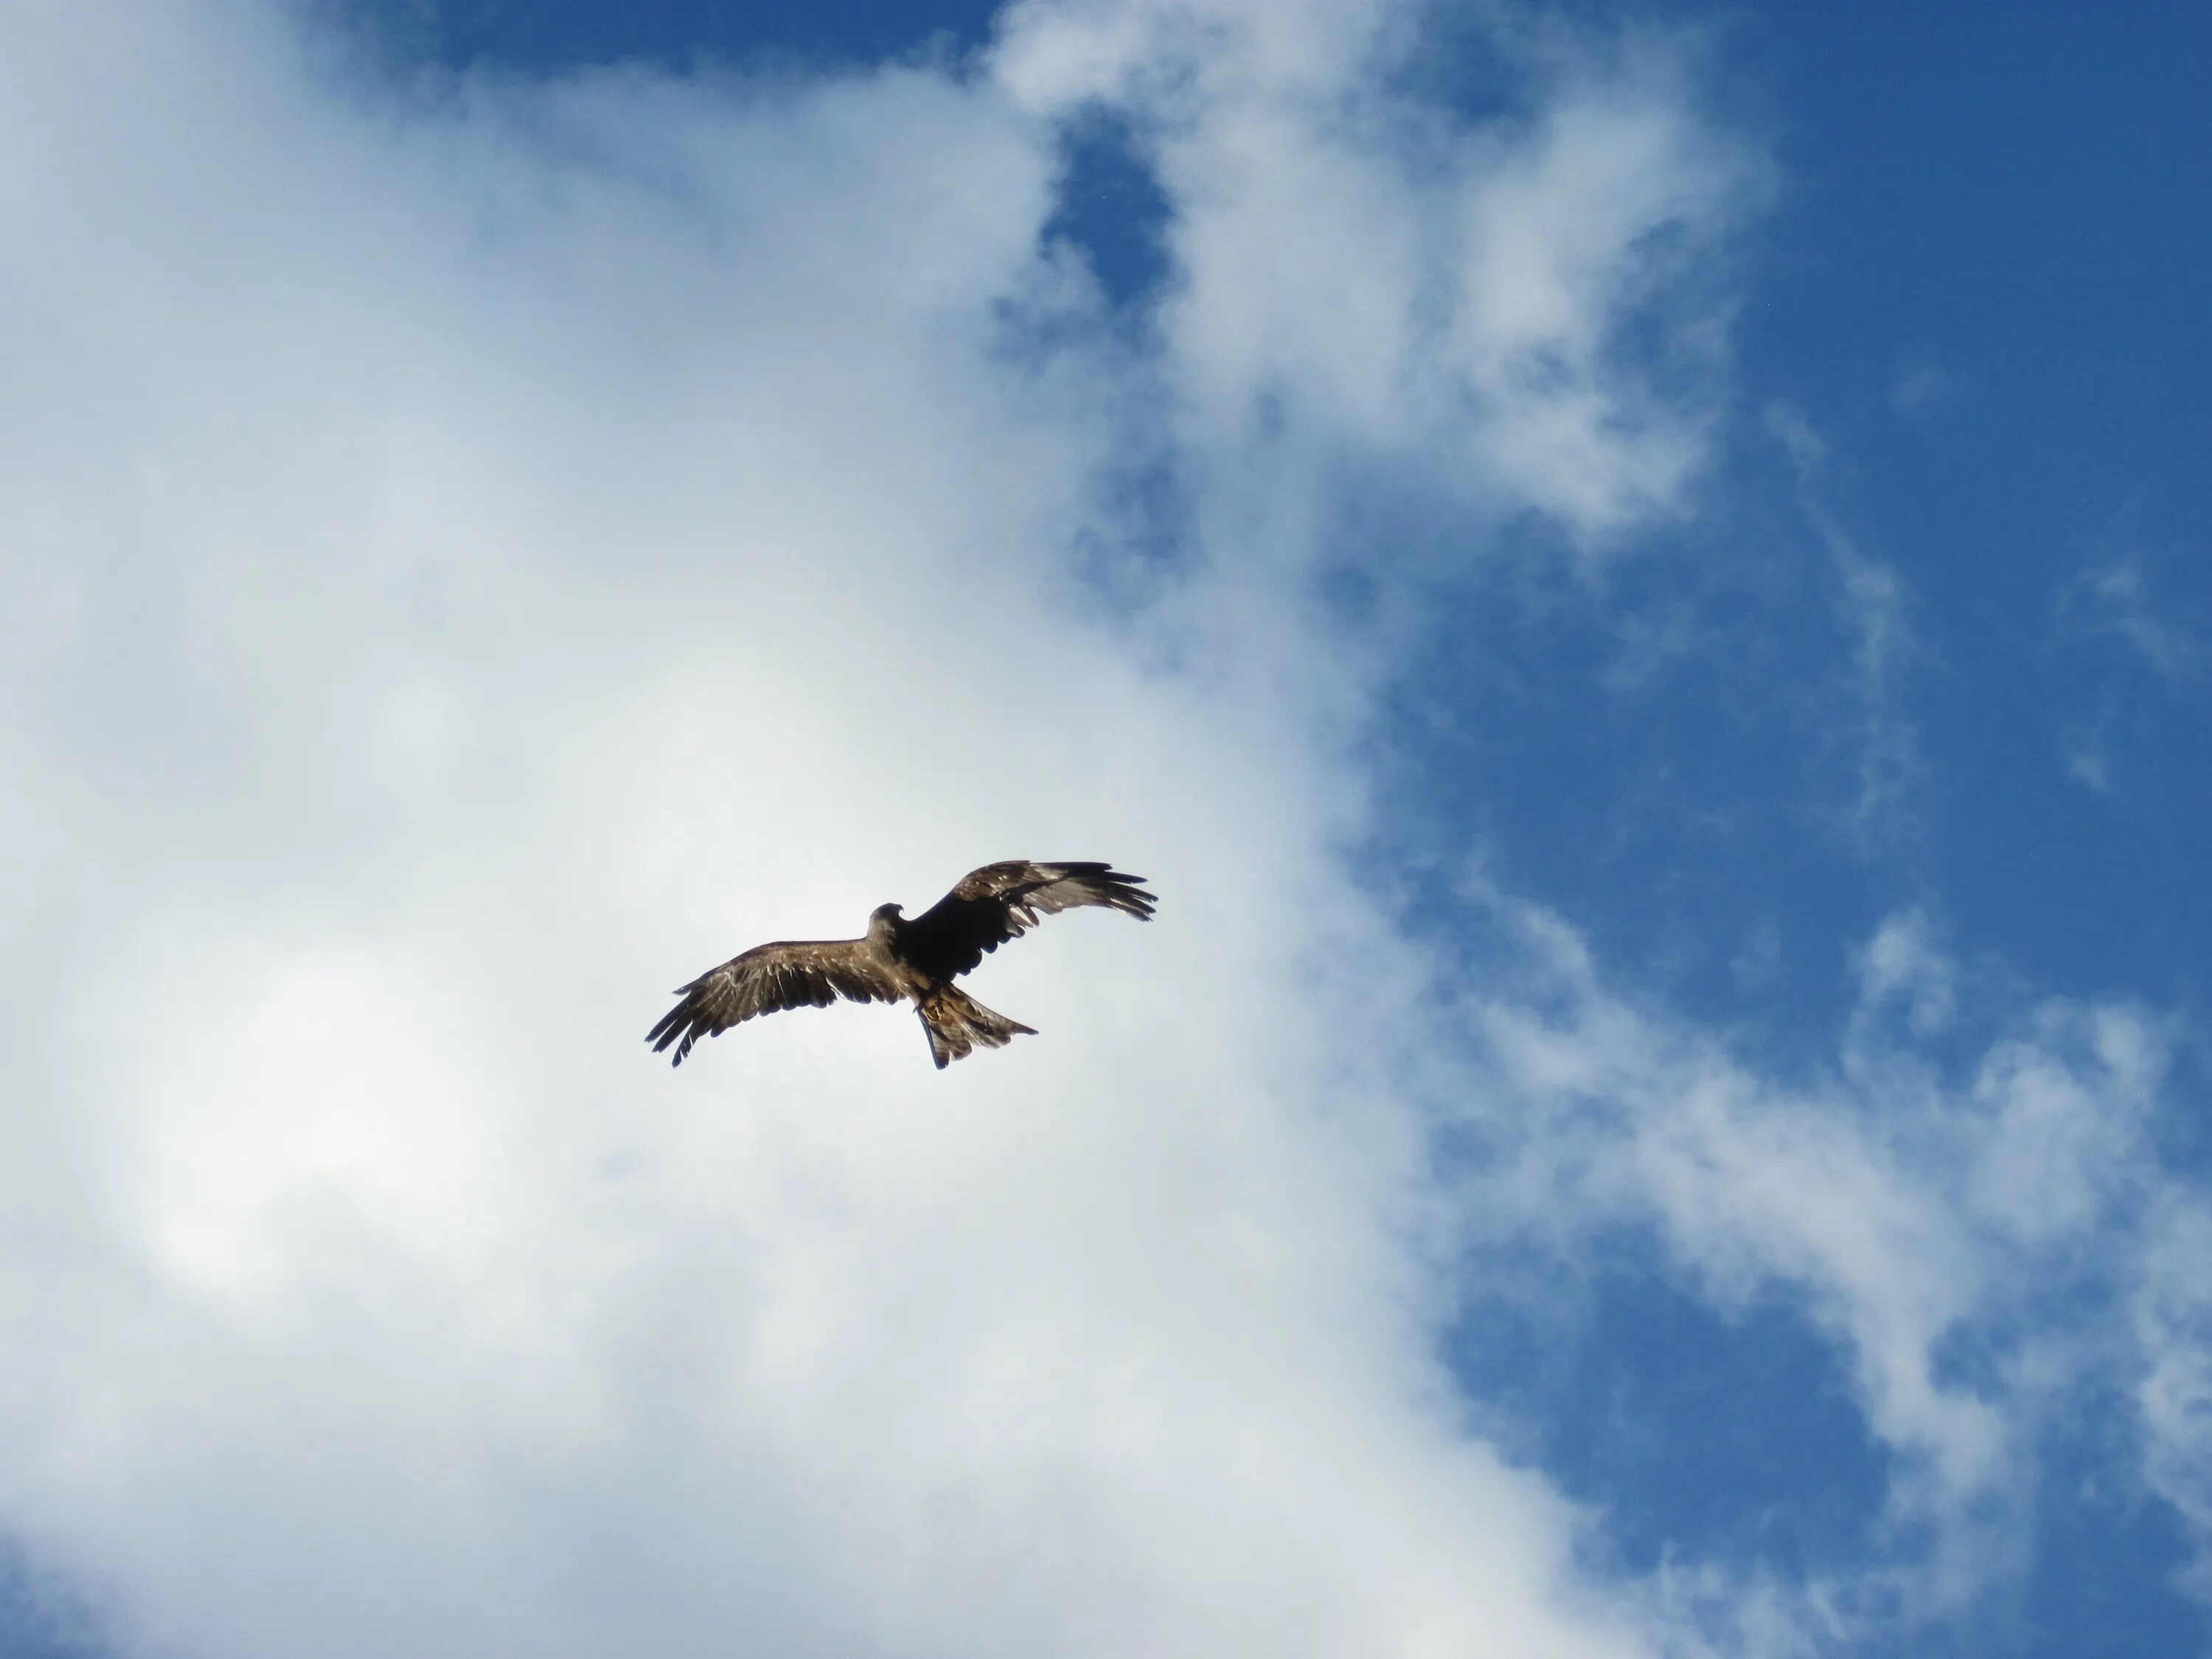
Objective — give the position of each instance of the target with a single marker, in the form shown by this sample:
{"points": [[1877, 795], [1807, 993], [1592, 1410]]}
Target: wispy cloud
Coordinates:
{"points": [[1923, 391], [1874, 606], [2112, 600], [1919, 1199], [2086, 747], [2165, 648], [2173, 1321]]}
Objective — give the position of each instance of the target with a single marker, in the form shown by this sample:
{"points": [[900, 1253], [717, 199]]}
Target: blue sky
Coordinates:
{"points": [[1636, 577]]}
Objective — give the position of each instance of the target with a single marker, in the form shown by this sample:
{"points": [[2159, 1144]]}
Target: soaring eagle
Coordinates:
{"points": [[898, 960]]}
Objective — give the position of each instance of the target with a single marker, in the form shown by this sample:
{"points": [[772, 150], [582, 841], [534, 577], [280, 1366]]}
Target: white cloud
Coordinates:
{"points": [[488, 556], [1357, 277]]}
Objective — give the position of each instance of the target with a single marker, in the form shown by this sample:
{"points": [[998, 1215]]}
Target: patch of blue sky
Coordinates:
{"points": [[1665, 753], [2106, 1553], [41, 1616], [1974, 286], [1980, 282], [1691, 1432], [550, 36], [1111, 208]]}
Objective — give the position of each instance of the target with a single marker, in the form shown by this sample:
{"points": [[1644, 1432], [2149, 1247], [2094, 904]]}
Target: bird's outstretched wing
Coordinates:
{"points": [[1002, 902], [769, 978]]}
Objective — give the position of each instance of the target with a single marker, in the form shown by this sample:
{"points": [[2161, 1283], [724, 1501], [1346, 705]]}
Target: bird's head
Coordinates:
{"points": [[885, 918]]}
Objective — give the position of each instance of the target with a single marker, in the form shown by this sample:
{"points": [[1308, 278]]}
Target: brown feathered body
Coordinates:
{"points": [[899, 960]]}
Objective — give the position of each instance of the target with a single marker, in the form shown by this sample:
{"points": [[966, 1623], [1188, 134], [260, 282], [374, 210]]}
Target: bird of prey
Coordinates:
{"points": [[900, 960]]}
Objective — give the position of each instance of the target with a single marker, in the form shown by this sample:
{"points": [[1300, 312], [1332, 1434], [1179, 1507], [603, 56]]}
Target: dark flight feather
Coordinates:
{"points": [[770, 978], [1002, 902]]}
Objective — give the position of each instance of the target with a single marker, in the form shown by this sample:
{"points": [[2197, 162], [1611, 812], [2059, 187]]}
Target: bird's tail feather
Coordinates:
{"points": [[956, 1024]]}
